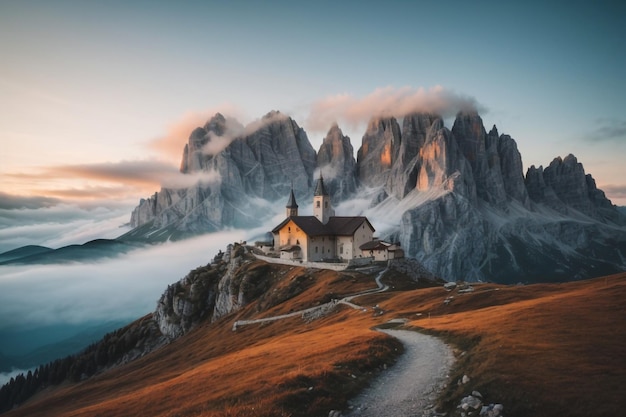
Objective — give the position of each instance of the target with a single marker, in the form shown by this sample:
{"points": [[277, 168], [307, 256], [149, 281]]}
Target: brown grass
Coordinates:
{"points": [[541, 350]]}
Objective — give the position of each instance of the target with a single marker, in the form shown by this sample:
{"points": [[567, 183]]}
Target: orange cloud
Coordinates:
{"points": [[108, 180], [172, 143], [386, 102]]}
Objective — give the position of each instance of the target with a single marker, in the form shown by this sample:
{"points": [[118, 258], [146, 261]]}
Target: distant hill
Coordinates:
{"points": [[540, 350], [23, 252], [90, 251]]}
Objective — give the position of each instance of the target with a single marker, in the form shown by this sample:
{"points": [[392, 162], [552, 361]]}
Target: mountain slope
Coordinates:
{"points": [[533, 348]]}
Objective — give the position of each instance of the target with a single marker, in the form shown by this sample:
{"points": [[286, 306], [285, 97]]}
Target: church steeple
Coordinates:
{"points": [[322, 209], [292, 206]]}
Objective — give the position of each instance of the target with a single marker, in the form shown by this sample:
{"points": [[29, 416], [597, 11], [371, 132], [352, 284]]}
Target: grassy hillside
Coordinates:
{"points": [[541, 350]]}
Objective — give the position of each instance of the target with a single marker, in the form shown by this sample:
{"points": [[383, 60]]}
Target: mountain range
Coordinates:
{"points": [[456, 199]]}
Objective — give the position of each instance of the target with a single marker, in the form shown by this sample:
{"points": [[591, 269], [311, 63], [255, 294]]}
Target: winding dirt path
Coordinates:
{"points": [[411, 386]]}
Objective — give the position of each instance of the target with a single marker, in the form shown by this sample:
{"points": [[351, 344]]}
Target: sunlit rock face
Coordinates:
{"points": [[379, 149], [336, 162], [416, 130]]}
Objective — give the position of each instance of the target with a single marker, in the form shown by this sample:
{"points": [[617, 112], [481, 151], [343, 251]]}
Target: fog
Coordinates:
{"points": [[126, 287]]}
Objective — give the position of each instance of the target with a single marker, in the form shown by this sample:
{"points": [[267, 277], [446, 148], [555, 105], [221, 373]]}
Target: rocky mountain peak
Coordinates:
{"points": [[564, 185], [379, 149], [335, 159], [216, 124]]}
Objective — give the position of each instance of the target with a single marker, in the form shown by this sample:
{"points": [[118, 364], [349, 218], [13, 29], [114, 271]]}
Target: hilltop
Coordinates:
{"points": [[542, 350]]}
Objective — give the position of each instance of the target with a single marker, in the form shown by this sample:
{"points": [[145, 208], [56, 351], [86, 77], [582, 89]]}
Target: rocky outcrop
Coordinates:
{"points": [[229, 283], [379, 149], [564, 186], [442, 165], [417, 130], [481, 151], [335, 160], [263, 161]]}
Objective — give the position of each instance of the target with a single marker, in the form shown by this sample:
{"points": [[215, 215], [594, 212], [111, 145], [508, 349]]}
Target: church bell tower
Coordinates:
{"points": [[322, 209]]}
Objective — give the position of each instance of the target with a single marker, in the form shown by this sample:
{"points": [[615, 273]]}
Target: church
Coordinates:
{"points": [[323, 236]]}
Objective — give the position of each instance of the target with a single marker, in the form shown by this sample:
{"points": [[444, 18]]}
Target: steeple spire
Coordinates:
{"points": [[292, 206], [319, 187]]}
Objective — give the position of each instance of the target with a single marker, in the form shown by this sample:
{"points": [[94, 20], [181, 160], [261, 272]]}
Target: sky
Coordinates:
{"points": [[97, 99]]}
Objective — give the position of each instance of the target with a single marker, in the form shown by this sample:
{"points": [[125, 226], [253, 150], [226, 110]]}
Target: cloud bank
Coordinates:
{"points": [[170, 146], [386, 102], [61, 225], [122, 288]]}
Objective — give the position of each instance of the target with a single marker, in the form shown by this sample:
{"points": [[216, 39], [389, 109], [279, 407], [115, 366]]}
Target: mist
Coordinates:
{"points": [[61, 225], [386, 102]]}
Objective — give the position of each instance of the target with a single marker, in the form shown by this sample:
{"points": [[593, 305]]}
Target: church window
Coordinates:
{"points": [[289, 229], [316, 249], [297, 241], [317, 204]]}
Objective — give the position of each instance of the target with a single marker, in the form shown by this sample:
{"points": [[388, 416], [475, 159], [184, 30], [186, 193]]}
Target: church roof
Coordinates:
{"points": [[319, 187], [375, 244], [292, 201], [336, 226]]}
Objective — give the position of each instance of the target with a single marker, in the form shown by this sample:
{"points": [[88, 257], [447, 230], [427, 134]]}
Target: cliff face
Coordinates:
{"points": [[261, 160], [335, 160], [210, 292]]}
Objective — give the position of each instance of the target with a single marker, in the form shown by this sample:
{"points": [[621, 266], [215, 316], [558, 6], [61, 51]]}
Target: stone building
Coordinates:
{"points": [[323, 236]]}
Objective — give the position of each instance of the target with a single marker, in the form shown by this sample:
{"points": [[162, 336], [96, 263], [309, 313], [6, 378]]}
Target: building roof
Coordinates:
{"points": [[336, 226], [375, 244], [319, 187], [292, 201]]}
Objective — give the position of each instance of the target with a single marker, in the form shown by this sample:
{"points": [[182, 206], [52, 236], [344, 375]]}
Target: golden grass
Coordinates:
{"points": [[541, 350]]}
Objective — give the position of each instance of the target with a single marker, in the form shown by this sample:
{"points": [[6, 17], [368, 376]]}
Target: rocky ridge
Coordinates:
{"points": [[456, 199]]}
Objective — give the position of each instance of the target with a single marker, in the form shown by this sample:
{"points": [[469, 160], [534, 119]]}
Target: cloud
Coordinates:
{"points": [[119, 289], [609, 130], [171, 144], [614, 191], [61, 225], [126, 180], [385, 102], [11, 202]]}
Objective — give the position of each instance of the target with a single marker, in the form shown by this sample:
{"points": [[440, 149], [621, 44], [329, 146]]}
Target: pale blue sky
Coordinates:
{"points": [[94, 82]]}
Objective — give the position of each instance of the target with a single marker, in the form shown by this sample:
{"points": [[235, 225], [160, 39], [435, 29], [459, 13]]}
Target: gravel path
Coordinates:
{"points": [[411, 386]]}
